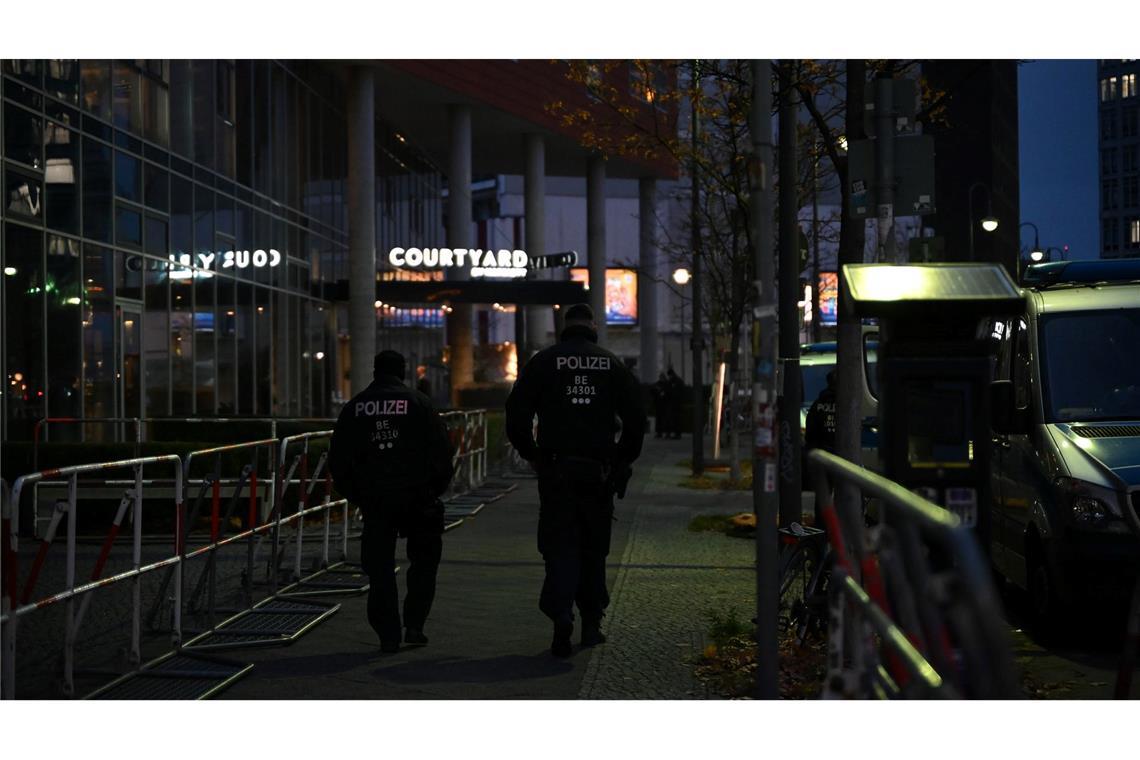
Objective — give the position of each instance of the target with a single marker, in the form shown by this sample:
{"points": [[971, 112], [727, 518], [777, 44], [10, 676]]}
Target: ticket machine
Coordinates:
{"points": [[934, 373]]}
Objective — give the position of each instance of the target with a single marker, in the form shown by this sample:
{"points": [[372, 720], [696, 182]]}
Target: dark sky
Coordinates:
{"points": [[1057, 108]]}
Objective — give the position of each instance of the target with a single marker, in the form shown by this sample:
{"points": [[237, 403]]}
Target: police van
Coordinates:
{"points": [[1065, 404]]}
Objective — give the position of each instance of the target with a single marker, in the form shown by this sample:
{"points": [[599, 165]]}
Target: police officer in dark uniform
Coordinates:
{"points": [[819, 427], [583, 395], [391, 456]]}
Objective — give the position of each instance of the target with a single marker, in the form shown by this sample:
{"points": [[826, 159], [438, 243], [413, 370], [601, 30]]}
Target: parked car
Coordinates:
{"points": [[1066, 424]]}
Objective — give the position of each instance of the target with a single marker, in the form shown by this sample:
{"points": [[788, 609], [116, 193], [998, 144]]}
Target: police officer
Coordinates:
{"points": [[819, 432], [390, 455], [580, 392]]}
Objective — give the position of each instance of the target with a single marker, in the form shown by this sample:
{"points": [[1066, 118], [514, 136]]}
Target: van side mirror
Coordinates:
{"points": [[1002, 411]]}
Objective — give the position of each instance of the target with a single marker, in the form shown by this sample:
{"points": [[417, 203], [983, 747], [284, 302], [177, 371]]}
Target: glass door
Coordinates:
{"points": [[128, 358]]}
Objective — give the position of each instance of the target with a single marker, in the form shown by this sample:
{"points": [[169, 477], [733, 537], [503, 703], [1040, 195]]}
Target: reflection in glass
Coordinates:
{"points": [[23, 136], [62, 79], [226, 334], [98, 336], [181, 215], [129, 274], [128, 177], [96, 87], [182, 344], [96, 190], [156, 242], [24, 325], [130, 361], [181, 110], [263, 320], [23, 195], [26, 70], [204, 110], [156, 328], [61, 147], [245, 311], [155, 189], [155, 111], [128, 226], [205, 373], [203, 219], [64, 325], [127, 101]]}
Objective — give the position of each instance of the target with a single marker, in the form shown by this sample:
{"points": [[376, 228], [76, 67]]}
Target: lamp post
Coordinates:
{"points": [[989, 221], [1035, 253], [681, 276]]}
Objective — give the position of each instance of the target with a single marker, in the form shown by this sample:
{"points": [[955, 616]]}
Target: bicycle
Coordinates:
{"points": [[804, 570]]}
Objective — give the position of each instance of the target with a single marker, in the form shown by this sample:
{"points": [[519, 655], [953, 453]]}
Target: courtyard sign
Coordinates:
{"points": [[501, 263], [185, 266]]}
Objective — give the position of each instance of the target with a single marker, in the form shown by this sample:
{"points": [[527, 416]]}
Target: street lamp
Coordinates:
{"points": [[989, 221], [681, 276]]}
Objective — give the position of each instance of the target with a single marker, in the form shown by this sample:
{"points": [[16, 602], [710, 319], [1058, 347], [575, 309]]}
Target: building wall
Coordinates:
{"points": [[978, 143], [112, 167], [1118, 118]]}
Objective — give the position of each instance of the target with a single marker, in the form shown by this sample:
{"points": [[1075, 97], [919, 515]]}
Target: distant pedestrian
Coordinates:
{"points": [[390, 456], [580, 392]]}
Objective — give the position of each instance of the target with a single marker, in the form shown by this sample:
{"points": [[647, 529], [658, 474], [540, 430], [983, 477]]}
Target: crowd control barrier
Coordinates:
{"points": [[77, 598], [207, 480], [913, 611], [270, 620]]}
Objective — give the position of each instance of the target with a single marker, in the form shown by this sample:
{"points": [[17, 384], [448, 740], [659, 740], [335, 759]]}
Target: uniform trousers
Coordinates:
{"points": [[574, 526], [421, 523]]}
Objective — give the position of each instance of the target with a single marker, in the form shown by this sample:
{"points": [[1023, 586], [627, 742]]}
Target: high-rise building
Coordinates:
{"points": [[976, 158], [1119, 120]]}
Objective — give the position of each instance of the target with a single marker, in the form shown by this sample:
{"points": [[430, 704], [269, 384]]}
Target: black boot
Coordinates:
{"points": [[561, 646], [592, 633], [415, 636]]}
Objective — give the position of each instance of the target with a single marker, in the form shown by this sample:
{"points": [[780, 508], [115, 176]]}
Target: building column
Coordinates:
{"points": [[361, 225], [647, 277], [596, 239], [538, 319], [459, 321]]}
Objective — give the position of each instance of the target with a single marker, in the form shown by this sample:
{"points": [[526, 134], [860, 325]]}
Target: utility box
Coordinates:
{"points": [[934, 374]]}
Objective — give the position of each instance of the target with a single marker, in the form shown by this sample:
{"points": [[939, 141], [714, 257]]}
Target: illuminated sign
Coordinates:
{"points": [[828, 297], [183, 266], [621, 293], [501, 263]]}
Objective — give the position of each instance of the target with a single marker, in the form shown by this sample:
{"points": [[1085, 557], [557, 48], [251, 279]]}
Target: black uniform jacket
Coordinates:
{"points": [[579, 391], [390, 442]]}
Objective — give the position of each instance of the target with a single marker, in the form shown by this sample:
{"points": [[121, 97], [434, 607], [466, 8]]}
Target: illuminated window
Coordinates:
{"points": [[1108, 89], [1134, 232], [1128, 86]]}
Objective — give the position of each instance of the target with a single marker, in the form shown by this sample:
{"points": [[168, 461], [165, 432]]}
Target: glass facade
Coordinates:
{"points": [[170, 230]]}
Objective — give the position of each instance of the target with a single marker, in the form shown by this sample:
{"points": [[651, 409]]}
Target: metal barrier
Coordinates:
{"points": [[913, 608], [211, 483], [326, 575], [73, 617]]}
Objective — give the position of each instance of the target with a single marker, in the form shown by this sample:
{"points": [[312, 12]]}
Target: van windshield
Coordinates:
{"points": [[1091, 365]]}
